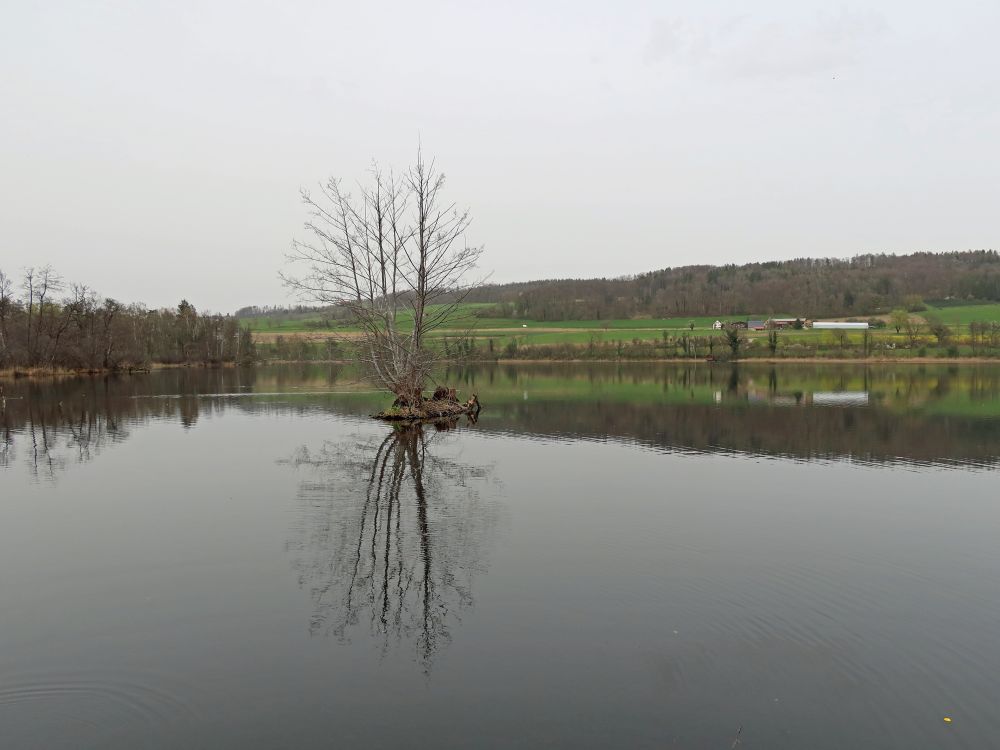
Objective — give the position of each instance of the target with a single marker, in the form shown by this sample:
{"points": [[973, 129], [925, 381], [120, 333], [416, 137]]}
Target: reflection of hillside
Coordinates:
{"points": [[861, 434], [875, 413], [949, 389], [389, 539], [878, 413]]}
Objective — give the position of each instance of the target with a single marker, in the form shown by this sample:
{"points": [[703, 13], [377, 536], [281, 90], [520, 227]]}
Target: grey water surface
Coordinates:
{"points": [[644, 556]]}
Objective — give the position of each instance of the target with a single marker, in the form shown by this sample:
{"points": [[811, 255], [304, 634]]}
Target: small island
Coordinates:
{"points": [[444, 403]]}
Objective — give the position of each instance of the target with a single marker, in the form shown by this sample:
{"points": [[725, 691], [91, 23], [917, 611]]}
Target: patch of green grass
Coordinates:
{"points": [[464, 319], [964, 314], [583, 331]]}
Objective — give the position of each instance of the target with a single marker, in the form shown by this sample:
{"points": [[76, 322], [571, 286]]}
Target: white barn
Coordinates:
{"points": [[837, 325]]}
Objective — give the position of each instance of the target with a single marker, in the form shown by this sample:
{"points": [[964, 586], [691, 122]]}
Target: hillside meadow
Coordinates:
{"points": [[469, 336]]}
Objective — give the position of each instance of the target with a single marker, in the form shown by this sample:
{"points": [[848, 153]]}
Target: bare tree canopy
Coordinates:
{"points": [[395, 255]]}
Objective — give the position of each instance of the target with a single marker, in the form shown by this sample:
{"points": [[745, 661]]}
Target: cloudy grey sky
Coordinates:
{"points": [[155, 149]]}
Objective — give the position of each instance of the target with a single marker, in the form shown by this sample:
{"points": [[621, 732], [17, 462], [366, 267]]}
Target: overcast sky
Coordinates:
{"points": [[155, 150]]}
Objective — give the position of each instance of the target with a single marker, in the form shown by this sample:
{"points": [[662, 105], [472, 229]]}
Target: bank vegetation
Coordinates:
{"points": [[916, 340], [48, 325]]}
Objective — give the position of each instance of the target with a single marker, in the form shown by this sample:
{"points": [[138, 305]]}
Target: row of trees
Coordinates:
{"points": [[863, 285], [47, 323]]}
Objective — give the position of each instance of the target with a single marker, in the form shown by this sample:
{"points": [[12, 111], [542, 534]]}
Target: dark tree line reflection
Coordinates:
{"points": [[933, 415], [48, 424], [390, 538], [877, 413], [47, 436]]}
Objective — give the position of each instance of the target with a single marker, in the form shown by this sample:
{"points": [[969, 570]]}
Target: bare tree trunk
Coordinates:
{"points": [[29, 287], [6, 303]]}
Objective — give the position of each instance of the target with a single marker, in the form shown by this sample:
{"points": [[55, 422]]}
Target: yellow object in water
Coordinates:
{"points": [[947, 719]]}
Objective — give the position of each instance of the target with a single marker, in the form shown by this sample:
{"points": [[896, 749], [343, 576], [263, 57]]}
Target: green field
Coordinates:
{"points": [[964, 314], [502, 331], [465, 319]]}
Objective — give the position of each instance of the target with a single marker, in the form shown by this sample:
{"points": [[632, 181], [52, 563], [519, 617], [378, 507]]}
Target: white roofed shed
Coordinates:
{"points": [[838, 325]]}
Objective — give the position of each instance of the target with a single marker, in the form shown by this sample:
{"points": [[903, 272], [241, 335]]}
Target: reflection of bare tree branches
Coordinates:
{"points": [[58, 436], [89, 431], [6, 438], [390, 538]]}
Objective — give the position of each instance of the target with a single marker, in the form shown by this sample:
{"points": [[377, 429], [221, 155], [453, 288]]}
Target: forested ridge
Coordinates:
{"points": [[863, 285], [47, 323]]}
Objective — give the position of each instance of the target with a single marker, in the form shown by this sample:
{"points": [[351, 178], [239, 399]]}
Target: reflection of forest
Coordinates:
{"points": [[874, 413], [865, 435], [48, 423], [389, 539]]}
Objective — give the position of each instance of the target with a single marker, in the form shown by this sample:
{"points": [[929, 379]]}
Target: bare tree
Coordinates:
{"points": [[29, 289], [912, 327], [109, 310], [396, 257], [6, 308], [39, 285]]}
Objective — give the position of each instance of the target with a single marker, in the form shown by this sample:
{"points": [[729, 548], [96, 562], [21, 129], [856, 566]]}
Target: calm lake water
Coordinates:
{"points": [[611, 557]]}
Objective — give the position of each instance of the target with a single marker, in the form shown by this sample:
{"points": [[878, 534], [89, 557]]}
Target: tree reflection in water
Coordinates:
{"points": [[390, 538]]}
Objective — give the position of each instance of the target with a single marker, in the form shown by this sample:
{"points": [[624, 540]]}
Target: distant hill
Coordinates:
{"points": [[863, 285], [860, 286]]}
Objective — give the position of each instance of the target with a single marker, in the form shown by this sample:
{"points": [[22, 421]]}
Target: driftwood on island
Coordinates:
{"points": [[443, 403]]}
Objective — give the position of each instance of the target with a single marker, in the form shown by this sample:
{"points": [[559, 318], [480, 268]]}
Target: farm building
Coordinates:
{"points": [[837, 325], [782, 322], [756, 325], [717, 325]]}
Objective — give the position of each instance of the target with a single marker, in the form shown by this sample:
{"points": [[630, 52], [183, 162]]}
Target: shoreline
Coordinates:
{"points": [[17, 373], [42, 372]]}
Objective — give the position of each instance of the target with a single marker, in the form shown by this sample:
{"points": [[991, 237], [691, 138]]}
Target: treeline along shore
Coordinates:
{"points": [[48, 325], [918, 308]]}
